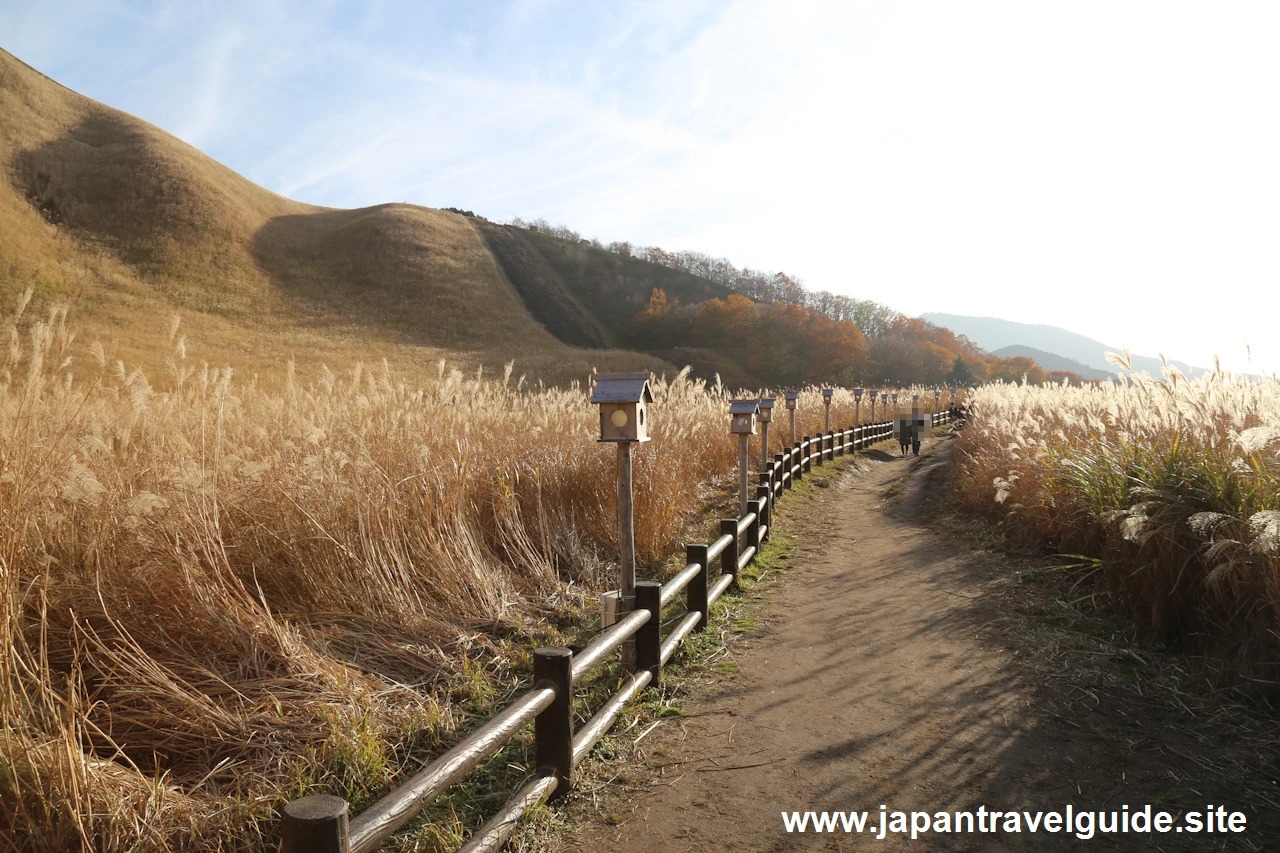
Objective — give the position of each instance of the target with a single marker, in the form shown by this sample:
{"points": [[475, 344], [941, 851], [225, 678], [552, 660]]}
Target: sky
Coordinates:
{"points": [[1109, 167]]}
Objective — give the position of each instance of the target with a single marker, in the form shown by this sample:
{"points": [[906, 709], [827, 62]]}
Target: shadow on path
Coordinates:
{"points": [[886, 676]]}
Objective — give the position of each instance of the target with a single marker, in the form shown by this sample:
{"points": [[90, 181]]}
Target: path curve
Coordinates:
{"points": [[879, 679]]}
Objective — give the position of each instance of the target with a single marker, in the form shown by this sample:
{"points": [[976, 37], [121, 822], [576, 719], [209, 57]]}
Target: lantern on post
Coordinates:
{"points": [[793, 400], [937, 400], [623, 399], [764, 416], [742, 423], [874, 395], [827, 394], [857, 407]]}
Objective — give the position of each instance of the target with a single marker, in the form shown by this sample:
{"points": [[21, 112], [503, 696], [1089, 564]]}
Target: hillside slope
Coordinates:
{"points": [[545, 294], [128, 225], [618, 286]]}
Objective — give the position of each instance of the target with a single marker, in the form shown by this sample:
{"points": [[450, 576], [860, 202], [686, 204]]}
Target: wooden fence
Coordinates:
{"points": [[320, 823]]}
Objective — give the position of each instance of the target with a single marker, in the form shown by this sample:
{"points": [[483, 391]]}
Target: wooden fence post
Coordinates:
{"points": [[766, 492], [649, 636], [783, 461], [696, 591], [729, 556], [315, 824], [806, 450], [753, 530], [553, 727]]}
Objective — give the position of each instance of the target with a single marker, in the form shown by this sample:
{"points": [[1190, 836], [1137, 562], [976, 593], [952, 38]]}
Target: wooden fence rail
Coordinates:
{"points": [[320, 824]]}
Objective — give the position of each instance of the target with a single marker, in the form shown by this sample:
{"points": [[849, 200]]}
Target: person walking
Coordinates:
{"points": [[902, 427]]}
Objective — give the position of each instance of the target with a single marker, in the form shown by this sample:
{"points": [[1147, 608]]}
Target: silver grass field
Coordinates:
{"points": [[219, 594], [1169, 488]]}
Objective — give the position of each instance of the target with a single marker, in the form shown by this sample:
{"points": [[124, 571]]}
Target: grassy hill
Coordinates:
{"points": [[128, 225]]}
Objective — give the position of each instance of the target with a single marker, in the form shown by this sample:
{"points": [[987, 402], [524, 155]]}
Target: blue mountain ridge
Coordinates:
{"points": [[994, 334]]}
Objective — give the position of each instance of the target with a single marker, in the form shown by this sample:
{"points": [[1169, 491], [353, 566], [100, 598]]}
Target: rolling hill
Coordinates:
{"points": [[993, 335], [128, 225]]}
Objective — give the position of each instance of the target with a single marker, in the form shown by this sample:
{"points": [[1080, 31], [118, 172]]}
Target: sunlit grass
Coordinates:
{"points": [[220, 593], [1171, 487]]}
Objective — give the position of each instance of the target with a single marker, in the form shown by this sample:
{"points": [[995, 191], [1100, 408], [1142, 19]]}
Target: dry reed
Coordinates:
{"points": [[218, 595], [1170, 488]]}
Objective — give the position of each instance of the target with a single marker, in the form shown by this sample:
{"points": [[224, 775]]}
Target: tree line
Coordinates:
{"points": [[784, 333]]}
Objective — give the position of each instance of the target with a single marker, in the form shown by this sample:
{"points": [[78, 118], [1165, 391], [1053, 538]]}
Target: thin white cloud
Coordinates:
{"points": [[206, 108]]}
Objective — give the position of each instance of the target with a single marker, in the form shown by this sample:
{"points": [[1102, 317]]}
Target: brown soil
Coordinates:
{"points": [[901, 666]]}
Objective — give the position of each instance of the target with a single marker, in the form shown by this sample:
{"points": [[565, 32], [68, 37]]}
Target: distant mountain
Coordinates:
{"points": [[1050, 361], [994, 334]]}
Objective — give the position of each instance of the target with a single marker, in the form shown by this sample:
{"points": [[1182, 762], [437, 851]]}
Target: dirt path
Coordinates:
{"points": [[884, 676]]}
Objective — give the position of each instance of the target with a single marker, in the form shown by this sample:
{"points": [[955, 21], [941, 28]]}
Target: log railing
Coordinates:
{"points": [[320, 823]]}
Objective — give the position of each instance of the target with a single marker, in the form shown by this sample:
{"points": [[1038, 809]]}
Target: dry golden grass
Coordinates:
{"points": [[218, 594], [1170, 489], [223, 589]]}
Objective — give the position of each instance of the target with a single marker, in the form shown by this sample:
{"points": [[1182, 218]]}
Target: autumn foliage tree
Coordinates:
{"points": [[1013, 369], [1057, 377], [781, 344], [782, 332]]}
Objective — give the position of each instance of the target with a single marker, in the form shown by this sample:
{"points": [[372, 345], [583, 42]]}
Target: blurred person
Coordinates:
{"points": [[909, 426]]}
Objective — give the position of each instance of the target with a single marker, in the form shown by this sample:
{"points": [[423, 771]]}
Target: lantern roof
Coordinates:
{"points": [[743, 407], [622, 388]]}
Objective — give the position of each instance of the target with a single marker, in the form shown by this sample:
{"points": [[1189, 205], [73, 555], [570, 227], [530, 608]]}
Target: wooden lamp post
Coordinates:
{"points": [[765, 416], [937, 401], [857, 407], [826, 401], [742, 423], [792, 398], [874, 395], [623, 399]]}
